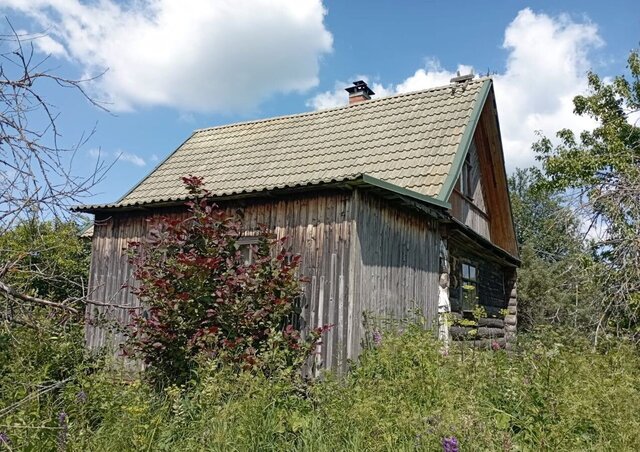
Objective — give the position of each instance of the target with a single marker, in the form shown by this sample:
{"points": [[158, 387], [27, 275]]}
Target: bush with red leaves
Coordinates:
{"points": [[203, 301]]}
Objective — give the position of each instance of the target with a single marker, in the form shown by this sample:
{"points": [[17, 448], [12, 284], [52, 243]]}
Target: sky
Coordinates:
{"points": [[169, 67]]}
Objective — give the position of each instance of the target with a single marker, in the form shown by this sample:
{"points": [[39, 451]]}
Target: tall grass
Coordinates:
{"points": [[551, 393]]}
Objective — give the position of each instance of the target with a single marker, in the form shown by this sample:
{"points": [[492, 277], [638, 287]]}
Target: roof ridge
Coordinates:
{"points": [[343, 107]]}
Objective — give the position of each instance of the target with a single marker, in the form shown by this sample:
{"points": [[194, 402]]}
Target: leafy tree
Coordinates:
{"points": [[43, 262], [555, 282], [551, 229], [600, 169], [204, 301], [46, 259], [40, 347]]}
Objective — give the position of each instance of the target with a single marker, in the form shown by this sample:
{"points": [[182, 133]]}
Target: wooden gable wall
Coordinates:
{"points": [[488, 210], [470, 208]]}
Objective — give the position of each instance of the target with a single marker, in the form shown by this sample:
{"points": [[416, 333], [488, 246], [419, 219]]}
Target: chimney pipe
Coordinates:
{"points": [[359, 92]]}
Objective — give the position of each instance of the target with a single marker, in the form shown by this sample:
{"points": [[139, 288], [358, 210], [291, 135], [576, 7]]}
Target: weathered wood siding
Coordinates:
{"points": [[318, 227], [489, 146], [472, 211], [361, 253], [397, 262]]}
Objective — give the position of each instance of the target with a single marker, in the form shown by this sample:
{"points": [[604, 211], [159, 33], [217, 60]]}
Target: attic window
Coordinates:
{"points": [[465, 178]]}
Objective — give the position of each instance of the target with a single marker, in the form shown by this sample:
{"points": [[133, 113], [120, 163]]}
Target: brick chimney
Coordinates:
{"points": [[359, 92]]}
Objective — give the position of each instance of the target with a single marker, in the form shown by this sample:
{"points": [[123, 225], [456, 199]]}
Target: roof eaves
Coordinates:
{"points": [[504, 171], [465, 142], [366, 179], [175, 200]]}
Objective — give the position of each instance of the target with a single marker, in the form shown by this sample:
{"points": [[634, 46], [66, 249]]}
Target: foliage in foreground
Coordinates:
{"points": [[203, 300], [553, 393]]}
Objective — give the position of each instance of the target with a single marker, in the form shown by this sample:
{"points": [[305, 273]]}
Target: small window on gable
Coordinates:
{"points": [[466, 177], [246, 245], [469, 287]]}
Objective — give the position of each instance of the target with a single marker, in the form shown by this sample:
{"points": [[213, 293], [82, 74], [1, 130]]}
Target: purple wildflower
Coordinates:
{"points": [[495, 345], [377, 338], [4, 438], [81, 396], [450, 444], [62, 434]]}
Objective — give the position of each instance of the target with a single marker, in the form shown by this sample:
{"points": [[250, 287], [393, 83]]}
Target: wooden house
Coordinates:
{"points": [[393, 203]]}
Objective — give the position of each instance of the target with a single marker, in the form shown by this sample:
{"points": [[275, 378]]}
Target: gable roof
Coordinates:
{"points": [[413, 142]]}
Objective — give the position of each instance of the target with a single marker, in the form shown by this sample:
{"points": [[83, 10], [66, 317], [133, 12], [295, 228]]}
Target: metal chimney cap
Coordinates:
{"points": [[462, 78], [360, 87]]}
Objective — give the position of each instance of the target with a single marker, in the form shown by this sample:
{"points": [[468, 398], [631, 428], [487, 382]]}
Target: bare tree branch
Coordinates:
{"points": [[36, 174], [11, 292]]}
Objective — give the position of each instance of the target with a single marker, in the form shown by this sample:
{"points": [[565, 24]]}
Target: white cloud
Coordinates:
{"points": [[96, 153], [430, 76], [120, 156], [209, 55], [545, 68], [131, 158], [46, 44]]}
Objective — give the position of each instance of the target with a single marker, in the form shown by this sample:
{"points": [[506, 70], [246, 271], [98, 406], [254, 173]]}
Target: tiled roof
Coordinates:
{"points": [[408, 140]]}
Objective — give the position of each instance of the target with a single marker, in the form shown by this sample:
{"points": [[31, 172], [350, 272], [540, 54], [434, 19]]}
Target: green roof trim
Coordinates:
{"points": [[404, 192], [465, 142]]}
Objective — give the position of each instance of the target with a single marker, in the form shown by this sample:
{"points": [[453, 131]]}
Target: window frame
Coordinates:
{"points": [[469, 280], [246, 242], [465, 178]]}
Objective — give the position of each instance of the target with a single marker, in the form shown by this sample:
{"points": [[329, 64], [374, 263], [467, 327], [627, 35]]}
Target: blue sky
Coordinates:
{"points": [[175, 66]]}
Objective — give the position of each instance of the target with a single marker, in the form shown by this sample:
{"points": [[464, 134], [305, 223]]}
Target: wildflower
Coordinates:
{"points": [[450, 444], [62, 434], [495, 345], [377, 338], [444, 351], [81, 396], [4, 438]]}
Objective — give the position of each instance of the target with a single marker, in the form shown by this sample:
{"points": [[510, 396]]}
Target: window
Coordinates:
{"points": [[246, 245], [466, 178], [469, 287]]}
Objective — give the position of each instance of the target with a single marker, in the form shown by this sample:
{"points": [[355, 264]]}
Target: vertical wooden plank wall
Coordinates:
{"points": [[396, 271], [472, 212], [318, 227], [109, 272]]}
